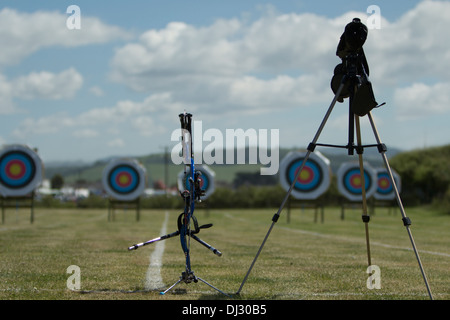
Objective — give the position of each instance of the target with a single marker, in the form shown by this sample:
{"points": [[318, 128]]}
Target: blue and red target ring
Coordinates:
{"points": [[313, 180], [20, 171], [384, 184], [350, 180], [309, 179], [124, 179], [385, 187]]}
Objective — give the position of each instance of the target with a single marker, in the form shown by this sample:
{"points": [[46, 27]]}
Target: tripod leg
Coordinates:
{"points": [[213, 287], [170, 288], [405, 219], [311, 147], [365, 216]]}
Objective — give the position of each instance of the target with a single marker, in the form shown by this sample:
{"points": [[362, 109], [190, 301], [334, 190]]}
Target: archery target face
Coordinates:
{"points": [[124, 179], [350, 181], [206, 180], [20, 171], [385, 188], [314, 179]]}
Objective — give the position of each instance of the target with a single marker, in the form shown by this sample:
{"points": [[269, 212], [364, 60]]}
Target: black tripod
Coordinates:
{"points": [[351, 80]]}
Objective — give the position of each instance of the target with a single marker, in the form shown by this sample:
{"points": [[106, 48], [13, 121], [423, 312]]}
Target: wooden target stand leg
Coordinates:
{"points": [[351, 147], [113, 204], [313, 204], [26, 202]]}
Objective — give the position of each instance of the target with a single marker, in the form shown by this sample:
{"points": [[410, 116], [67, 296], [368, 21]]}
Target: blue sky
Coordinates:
{"points": [[116, 86]]}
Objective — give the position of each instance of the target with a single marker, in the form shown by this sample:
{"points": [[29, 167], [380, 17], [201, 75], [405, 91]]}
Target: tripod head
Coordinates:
{"points": [[354, 69]]}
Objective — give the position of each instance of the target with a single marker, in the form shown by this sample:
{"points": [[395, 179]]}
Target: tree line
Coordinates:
{"points": [[425, 175]]}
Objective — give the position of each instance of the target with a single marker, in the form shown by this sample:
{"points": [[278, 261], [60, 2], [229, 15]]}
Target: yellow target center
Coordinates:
{"points": [[304, 175], [123, 179], [15, 170], [357, 181]]}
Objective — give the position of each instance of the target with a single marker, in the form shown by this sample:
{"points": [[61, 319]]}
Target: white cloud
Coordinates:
{"points": [[116, 143], [97, 91], [38, 85], [419, 100], [52, 124], [147, 126], [270, 59], [177, 54], [47, 85], [6, 103], [230, 65], [22, 34], [280, 92], [85, 133], [413, 47], [227, 48], [143, 117]]}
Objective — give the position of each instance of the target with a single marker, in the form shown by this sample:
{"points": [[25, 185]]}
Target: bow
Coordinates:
{"points": [[187, 223], [194, 192]]}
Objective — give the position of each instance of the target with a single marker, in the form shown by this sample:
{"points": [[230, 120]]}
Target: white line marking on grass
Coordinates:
{"points": [[410, 249], [343, 238], [353, 240], [153, 279]]}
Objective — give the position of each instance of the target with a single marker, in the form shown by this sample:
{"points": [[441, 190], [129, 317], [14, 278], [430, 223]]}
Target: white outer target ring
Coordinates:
{"points": [[124, 179], [21, 171], [349, 180], [206, 182], [385, 188], [315, 178]]}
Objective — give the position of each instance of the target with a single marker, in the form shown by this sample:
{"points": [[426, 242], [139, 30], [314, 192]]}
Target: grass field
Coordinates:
{"points": [[301, 259]]}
